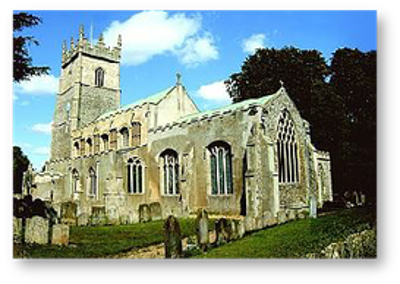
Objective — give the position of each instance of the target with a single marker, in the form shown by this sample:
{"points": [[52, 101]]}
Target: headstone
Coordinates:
{"points": [[98, 217], [37, 230], [356, 198], [60, 234], [202, 229], [155, 211], [17, 230], [363, 199], [221, 231], [172, 238], [241, 228], [83, 219], [313, 207], [144, 213], [281, 216], [68, 213]]}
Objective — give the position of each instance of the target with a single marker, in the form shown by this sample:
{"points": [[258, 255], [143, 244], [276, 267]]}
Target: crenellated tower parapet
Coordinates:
{"points": [[85, 46]]}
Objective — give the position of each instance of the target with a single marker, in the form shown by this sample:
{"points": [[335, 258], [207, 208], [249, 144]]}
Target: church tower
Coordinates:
{"points": [[89, 86]]}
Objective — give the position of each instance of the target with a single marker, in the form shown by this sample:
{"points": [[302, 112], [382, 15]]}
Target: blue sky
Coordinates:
{"points": [[204, 46]]}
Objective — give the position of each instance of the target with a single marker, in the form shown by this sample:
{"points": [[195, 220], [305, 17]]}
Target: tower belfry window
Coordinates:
{"points": [[99, 77]]}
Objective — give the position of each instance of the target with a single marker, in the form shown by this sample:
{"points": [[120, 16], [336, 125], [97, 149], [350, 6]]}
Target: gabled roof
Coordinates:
{"points": [[153, 99], [232, 107]]}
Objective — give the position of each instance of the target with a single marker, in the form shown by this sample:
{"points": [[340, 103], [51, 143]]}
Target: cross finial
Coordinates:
{"points": [[178, 79]]}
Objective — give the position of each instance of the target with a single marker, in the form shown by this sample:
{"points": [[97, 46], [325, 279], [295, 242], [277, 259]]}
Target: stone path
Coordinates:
{"points": [[154, 251]]}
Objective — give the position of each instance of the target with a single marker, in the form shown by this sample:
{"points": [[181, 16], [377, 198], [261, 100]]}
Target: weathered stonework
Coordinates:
{"points": [[96, 143], [37, 230]]}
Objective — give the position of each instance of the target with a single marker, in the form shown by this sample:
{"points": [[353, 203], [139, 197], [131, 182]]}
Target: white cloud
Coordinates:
{"points": [[42, 128], [198, 50], [215, 92], [150, 33], [43, 151], [249, 45], [38, 85]]}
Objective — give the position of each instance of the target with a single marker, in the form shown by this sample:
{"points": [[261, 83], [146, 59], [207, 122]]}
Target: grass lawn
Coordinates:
{"points": [[296, 239], [95, 242], [291, 240]]}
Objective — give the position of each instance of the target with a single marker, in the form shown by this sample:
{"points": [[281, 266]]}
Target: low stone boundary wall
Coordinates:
{"points": [[359, 245]]}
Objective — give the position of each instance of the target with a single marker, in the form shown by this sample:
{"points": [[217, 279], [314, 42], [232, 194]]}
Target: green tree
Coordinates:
{"points": [[339, 101], [354, 82], [20, 165], [303, 73], [22, 62]]}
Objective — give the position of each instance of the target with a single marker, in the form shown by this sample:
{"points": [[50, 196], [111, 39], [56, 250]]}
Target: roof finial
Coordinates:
{"points": [[281, 82], [101, 40], [81, 32], [119, 41], [178, 79]]}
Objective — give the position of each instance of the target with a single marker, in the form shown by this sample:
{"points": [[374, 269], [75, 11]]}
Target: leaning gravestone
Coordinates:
{"points": [[172, 238], [202, 229]]}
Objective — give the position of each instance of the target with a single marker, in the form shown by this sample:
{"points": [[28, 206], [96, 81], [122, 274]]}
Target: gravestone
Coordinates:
{"points": [[155, 211], [172, 238], [68, 213], [17, 230], [313, 207], [222, 231], [144, 213], [60, 234], [202, 229], [37, 230], [98, 217], [83, 219], [363, 199], [356, 198]]}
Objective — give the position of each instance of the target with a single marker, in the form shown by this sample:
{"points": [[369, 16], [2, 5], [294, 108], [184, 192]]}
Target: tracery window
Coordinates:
{"points": [[287, 149], [135, 176], [99, 77], [170, 172], [89, 148], [220, 168]]}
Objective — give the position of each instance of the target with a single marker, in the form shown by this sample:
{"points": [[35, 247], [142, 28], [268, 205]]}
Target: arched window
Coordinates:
{"points": [[288, 162], [136, 126], [89, 148], [76, 149], [170, 172], [104, 142], [93, 182], [99, 77], [75, 181], [135, 176], [124, 137], [220, 168]]}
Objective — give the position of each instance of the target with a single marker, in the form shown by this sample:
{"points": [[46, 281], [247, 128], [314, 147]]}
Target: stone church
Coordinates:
{"points": [[161, 154]]}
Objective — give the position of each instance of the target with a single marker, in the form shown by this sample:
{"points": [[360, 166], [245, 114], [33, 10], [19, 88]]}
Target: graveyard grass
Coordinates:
{"points": [[98, 242], [298, 238], [291, 240]]}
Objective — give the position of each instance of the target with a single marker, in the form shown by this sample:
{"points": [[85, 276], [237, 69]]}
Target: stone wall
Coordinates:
{"points": [[359, 245]]}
